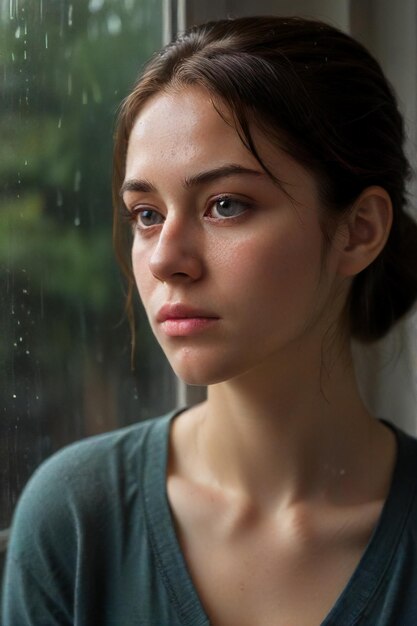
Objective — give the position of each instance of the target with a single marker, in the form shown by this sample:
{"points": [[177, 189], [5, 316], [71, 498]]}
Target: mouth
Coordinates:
{"points": [[179, 320]]}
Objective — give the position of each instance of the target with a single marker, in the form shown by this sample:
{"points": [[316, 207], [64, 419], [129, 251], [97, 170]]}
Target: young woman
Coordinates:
{"points": [[260, 162]]}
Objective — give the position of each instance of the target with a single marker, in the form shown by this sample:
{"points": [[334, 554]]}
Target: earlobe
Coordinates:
{"points": [[366, 230]]}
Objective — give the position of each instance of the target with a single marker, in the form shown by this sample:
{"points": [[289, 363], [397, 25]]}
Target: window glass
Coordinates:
{"points": [[65, 369]]}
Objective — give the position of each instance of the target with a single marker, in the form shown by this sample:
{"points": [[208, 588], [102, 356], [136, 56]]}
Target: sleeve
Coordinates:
{"points": [[38, 585]]}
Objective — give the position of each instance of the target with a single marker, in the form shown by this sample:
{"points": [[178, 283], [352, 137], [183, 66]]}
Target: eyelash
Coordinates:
{"points": [[132, 215]]}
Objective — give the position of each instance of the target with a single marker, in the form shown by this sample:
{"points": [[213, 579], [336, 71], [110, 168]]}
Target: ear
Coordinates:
{"points": [[365, 231]]}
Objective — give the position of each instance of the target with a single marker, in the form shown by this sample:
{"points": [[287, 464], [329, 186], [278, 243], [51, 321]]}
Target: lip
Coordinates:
{"points": [[180, 320], [181, 311]]}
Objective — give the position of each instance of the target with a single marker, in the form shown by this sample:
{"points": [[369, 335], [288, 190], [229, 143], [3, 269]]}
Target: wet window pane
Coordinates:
{"points": [[64, 346]]}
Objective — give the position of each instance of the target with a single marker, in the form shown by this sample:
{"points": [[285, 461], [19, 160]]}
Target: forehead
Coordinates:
{"points": [[182, 126], [181, 132]]}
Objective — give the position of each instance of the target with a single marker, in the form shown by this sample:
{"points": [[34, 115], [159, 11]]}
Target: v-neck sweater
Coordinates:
{"points": [[93, 542]]}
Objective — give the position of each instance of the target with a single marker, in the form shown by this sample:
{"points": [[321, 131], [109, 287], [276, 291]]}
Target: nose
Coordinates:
{"points": [[177, 255]]}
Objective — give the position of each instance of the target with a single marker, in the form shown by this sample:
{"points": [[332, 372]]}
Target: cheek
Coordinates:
{"points": [[275, 265]]}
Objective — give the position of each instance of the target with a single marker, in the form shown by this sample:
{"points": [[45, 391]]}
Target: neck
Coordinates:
{"points": [[280, 434]]}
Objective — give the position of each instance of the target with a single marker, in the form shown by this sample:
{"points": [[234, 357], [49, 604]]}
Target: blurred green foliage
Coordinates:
{"points": [[64, 355]]}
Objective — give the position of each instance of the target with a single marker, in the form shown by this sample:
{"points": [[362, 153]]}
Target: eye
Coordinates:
{"points": [[227, 207], [147, 217]]}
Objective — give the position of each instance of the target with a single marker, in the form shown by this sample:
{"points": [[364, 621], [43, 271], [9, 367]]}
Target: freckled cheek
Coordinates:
{"points": [[271, 264]]}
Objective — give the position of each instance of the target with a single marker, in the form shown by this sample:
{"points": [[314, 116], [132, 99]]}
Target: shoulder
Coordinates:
{"points": [[83, 481], [91, 465], [74, 520], [403, 493], [76, 511], [394, 564], [406, 450]]}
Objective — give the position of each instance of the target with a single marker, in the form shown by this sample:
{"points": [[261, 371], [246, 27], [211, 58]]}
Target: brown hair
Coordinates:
{"points": [[325, 100]]}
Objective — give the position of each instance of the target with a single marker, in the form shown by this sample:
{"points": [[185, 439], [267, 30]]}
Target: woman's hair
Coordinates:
{"points": [[321, 97]]}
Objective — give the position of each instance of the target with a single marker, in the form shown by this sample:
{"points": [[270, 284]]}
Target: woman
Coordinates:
{"points": [[260, 163]]}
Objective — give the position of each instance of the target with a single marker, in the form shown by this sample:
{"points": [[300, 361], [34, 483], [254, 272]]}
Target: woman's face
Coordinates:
{"points": [[228, 266]]}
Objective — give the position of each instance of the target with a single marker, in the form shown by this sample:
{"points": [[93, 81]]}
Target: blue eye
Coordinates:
{"points": [[228, 207], [148, 217]]}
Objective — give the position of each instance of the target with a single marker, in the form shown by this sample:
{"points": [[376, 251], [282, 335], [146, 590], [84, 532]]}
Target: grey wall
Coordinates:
{"points": [[335, 12]]}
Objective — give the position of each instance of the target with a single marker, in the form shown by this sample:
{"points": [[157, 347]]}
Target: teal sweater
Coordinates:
{"points": [[93, 543]]}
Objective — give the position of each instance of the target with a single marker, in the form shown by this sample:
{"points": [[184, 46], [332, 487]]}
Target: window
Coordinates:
{"points": [[65, 348]]}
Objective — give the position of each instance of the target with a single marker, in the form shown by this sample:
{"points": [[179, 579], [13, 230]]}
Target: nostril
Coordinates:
{"points": [[175, 263]]}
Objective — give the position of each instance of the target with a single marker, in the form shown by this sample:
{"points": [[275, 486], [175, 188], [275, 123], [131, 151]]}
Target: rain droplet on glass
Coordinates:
{"points": [[77, 221], [95, 5], [70, 15], [17, 33], [114, 24]]}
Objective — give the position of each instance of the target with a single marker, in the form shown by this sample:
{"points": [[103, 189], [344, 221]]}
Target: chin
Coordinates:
{"points": [[198, 377], [197, 369]]}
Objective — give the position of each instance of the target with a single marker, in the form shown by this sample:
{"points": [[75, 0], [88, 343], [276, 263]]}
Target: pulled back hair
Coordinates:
{"points": [[322, 98]]}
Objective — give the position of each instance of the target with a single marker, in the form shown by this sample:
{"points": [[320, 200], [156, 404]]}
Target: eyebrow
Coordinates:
{"points": [[224, 171]]}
